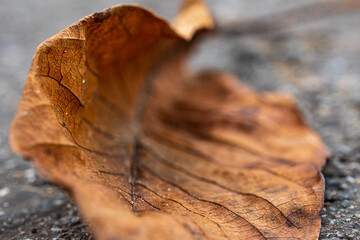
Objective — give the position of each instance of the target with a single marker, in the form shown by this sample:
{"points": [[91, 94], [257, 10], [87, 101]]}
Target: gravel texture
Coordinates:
{"points": [[316, 62]]}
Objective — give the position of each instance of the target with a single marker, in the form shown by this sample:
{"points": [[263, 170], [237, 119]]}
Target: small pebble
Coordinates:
{"points": [[357, 180], [58, 202], [4, 191], [50, 191], [344, 204], [30, 175], [55, 229], [350, 179]]}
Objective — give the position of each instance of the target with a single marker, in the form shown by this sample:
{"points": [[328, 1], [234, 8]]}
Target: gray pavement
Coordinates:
{"points": [[317, 62]]}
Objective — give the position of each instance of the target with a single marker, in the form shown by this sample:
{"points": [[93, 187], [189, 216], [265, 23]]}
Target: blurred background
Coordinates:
{"points": [[316, 60]]}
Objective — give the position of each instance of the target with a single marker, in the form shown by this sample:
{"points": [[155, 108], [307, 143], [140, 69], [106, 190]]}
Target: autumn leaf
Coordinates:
{"points": [[150, 151]]}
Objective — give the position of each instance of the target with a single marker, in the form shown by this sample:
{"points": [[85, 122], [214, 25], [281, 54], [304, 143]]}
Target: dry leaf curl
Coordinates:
{"points": [[149, 151]]}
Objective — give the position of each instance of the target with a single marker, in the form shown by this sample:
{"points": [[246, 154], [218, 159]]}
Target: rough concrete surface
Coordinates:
{"points": [[317, 62]]}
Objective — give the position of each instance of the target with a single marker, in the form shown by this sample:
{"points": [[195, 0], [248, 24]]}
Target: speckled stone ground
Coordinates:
{"points": [[316, 62]]}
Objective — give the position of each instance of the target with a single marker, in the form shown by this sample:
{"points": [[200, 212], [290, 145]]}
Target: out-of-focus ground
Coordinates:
{"points": [[317, 62]]}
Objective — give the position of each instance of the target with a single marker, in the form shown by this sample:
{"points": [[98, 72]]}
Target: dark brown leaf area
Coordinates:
{"points": [[149, 152]]}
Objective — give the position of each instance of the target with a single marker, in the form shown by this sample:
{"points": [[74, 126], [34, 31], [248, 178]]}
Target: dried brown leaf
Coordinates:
{"points": [[149, 151]]}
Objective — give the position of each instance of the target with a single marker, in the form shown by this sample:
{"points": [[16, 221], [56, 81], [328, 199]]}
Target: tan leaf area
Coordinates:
{"points": [[150, 151]]}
